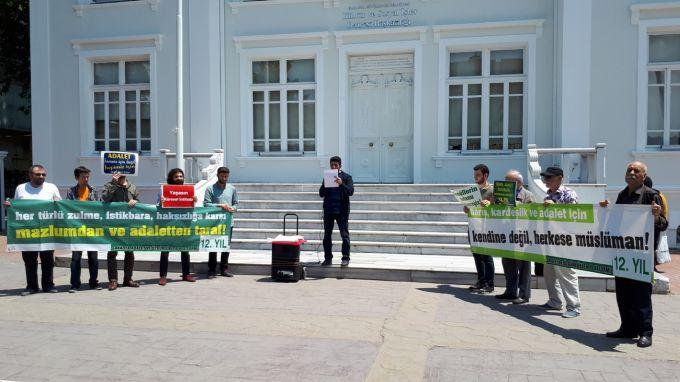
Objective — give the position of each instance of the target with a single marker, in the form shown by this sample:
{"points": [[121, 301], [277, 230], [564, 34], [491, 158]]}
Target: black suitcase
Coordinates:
{"points": [[286, 257]]}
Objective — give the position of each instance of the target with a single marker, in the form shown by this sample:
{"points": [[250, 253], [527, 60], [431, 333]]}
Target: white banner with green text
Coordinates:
{"points": [[615, 240]]}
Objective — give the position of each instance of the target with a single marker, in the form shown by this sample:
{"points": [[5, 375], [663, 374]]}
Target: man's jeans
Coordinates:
{"points": [[92, 266], [485, 269]]}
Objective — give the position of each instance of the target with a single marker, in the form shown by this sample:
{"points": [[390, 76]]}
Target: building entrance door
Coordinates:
{"points": [[381, 118]]}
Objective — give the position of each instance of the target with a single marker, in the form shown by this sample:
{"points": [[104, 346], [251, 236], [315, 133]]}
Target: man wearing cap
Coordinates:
{"points": [[120, 189], [560, 281]]}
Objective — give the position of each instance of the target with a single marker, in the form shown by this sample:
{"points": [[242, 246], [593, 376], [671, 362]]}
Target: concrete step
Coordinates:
{"points": [[430, 216], [358, 196], [361, 235], [365, 246], [358, 188], [458, 270], [371, 225], [354, 205]]}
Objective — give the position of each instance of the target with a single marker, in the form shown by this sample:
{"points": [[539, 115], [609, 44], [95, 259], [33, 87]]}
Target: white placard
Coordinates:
{"points": [[213, 243], [469, 195]]}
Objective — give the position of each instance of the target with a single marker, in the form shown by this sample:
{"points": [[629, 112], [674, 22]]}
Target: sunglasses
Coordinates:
{"points": [[40, 174]]}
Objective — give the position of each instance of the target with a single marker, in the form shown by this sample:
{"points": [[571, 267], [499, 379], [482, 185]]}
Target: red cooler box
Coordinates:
{"points": [[286, 255]]}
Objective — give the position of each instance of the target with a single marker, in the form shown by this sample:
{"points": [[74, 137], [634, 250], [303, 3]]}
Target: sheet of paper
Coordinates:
{"points": [[329, 178]]}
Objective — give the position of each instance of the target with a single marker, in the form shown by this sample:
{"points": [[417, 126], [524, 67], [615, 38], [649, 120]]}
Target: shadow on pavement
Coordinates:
{"points": [[530, 314]]}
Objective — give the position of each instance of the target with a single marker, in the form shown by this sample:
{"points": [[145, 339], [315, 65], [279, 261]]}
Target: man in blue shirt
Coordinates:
{"points": [[223, 195], [336, 208]]}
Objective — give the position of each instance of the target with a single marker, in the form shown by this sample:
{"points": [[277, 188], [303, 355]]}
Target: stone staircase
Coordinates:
{"points": [[398, 219]]}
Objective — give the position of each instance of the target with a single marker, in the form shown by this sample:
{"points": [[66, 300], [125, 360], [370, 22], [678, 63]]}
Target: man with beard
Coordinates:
{"points": [[223, 195], [37, 189]]}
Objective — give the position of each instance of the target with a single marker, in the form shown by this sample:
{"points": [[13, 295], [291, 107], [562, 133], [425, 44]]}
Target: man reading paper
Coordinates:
{"points": [[336, 208]]}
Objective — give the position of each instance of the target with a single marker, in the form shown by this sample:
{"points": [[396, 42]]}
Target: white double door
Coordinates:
{"points": [[381, 119]]}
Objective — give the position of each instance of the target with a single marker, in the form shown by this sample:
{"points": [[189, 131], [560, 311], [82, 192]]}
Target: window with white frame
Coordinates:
{"points": [[663, 91], [122, 107], [486, 99], [284, 106]]}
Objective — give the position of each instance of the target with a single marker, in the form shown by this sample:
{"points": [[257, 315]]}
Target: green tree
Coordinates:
{"points": [[15, 51]]}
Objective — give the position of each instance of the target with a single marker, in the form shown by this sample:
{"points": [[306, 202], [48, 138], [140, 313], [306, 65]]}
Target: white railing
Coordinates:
{"points": [[202, 169], [584, 170], [3, 155]]}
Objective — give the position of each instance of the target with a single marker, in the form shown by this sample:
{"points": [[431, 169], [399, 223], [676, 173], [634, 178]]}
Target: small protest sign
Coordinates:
{"points": [[177, 196], [468, 195], [115, 162], [504, 192]]}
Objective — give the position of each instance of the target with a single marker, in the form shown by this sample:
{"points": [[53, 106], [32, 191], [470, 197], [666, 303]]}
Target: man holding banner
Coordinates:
{"points": [[560, 280], [37, 189], [84, 192], [175, 177], [517, 272], [483, 263], [120, 189], [633, 297], [223, 195]]}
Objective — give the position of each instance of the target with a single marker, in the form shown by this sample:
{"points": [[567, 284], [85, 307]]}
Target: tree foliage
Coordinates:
{"points": [[15, 52]]}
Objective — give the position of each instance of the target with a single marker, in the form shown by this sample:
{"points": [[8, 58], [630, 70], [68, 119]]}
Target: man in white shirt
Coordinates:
{"points": [[37, 189]]}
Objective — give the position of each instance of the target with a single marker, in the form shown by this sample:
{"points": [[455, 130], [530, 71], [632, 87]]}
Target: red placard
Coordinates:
{"points": [[177, 196]]}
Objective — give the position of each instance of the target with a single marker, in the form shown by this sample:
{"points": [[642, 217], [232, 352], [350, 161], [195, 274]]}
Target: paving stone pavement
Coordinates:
{"points": [[250, 329]]}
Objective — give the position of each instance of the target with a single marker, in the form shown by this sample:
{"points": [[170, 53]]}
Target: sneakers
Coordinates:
{"points": [[486, 289], [29, 292], [162, 281], [326, 263], [547, 306], [344, 263], [189, 278], [73, 290], [571, 314], [113, 284], [520, 301], [95, 286], [211, 276], [225, 273], [51, 290]]}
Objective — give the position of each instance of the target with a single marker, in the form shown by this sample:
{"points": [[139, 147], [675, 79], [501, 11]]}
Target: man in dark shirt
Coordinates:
{"points": [[633, 297], [336, 208]]}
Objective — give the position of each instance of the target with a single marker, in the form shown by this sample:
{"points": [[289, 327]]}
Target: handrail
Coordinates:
{"points": [[584, 168], [202, 177]]}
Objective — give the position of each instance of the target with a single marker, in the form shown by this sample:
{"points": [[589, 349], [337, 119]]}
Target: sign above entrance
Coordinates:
{"points": [[379, 14], [382, 62]]}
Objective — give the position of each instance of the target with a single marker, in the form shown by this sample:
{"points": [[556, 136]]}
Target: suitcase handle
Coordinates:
{"points": [[297, 223]]}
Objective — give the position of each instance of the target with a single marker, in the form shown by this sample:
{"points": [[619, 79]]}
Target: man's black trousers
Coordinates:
{"points": [[328, 222], [634, 299], [128, 265], [46, 265]]}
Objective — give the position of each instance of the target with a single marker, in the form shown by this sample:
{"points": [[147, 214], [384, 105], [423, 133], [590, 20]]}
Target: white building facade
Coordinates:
{"points": [[405, 91]]}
